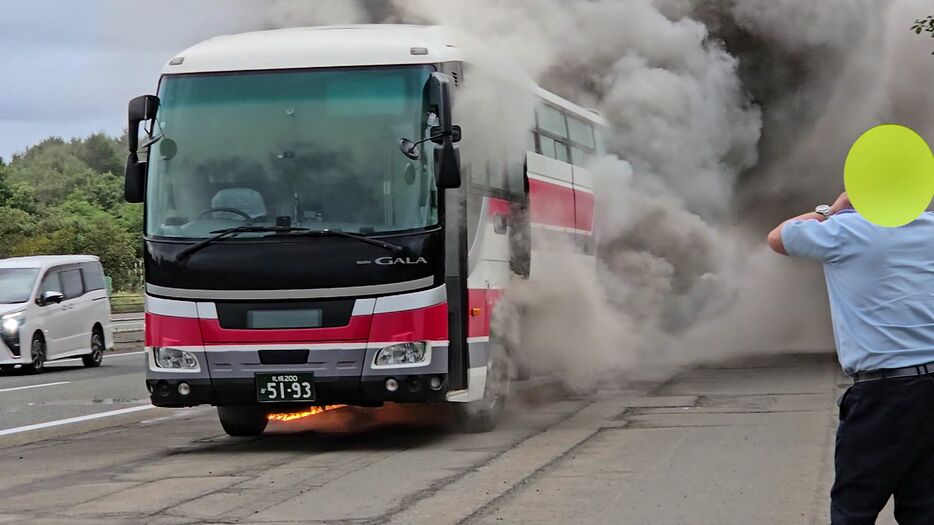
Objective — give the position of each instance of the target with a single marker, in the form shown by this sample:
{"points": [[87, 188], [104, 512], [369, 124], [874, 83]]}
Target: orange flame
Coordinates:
{"points": [[313, 411]]}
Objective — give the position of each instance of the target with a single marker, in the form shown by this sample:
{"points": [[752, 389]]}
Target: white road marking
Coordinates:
{"points": [[124, 354], [79, 419], [34, 386]]}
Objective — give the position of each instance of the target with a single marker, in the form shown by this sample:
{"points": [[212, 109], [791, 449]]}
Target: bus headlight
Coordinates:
{"points": [[174, 358], [402, 354]]}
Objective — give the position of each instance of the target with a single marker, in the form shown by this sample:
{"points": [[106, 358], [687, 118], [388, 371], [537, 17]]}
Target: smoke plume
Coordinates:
{"points": [[726, 116]]}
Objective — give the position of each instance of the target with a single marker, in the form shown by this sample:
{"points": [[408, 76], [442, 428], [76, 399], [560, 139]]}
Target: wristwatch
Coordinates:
{"points": [[824, 210]]}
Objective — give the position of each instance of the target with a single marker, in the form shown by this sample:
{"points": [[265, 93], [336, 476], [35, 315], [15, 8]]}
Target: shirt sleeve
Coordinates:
{"points": [[813, 239]]}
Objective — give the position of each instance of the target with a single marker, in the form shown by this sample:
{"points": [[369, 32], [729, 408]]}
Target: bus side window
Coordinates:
{"points": [[548, 147], [581, 132], [553, 133], [600, 142], [552, 121], [561, 151]]}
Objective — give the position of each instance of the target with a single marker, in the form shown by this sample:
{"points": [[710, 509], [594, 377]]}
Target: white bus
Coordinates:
{"points": [[332, 213]]}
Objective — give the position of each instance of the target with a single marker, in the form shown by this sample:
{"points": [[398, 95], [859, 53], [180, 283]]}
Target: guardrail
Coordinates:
{"points": [[123, 303]]}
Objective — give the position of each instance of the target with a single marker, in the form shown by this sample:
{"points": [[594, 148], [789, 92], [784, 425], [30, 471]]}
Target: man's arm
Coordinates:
{"points": [[775, 236]]}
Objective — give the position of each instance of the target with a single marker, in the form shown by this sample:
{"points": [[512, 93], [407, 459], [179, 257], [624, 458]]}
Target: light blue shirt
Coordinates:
{"points": [[881, 287]]}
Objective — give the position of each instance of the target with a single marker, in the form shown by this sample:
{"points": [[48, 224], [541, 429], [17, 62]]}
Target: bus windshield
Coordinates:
{"points": [[16, 284], [316, 149]]}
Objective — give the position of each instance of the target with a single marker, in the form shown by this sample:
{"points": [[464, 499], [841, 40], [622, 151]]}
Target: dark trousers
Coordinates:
{"points": [[885, 447]]}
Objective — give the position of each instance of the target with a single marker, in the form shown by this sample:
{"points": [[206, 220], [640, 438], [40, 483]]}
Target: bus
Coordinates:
{"points": [[333, 213]]}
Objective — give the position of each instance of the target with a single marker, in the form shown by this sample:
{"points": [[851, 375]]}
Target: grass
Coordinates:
{"points": [[122, 302]]}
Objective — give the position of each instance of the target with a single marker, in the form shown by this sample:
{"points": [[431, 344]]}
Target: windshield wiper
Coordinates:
{"points": [[394, 248], [229, 232]]}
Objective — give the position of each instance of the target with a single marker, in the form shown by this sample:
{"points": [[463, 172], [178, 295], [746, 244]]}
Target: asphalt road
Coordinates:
{"points": [[738, 443], [68, 390]]}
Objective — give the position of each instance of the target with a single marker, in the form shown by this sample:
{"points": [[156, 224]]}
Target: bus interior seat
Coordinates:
{"points": [[247, 200]]}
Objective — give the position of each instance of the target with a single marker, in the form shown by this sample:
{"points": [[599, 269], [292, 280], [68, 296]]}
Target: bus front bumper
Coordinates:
{"points": [[365, 391]]}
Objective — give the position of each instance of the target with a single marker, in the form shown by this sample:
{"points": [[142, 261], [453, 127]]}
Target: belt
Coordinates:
{"points": [[892, 373]]}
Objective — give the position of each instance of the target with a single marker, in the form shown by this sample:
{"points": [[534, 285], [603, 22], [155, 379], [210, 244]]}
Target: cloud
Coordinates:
{"points": [[71, 67]]}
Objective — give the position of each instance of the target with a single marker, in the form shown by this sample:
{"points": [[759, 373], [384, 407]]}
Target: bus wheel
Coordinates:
{"points": [[242, 420], [483, 415]]}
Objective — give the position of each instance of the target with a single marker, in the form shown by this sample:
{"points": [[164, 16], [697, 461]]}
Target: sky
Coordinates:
{"points": [[68, 68]]}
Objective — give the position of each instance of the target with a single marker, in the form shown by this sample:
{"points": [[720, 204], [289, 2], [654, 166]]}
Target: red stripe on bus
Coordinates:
{"points": [[551, 204], [498, 206], [163, 330], [411, 325], [429, 323], [355, 331], [583, 210]]}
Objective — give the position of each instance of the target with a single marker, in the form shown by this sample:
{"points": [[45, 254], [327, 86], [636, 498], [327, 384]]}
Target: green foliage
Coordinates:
{"points": [[67, 198], [924, 25]]}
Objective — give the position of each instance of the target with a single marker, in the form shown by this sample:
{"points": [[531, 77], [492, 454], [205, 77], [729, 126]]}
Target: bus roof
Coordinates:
{"points": [[354, 45]]}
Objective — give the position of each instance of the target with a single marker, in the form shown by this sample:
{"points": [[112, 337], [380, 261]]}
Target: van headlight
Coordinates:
{"points": [[403, 354], [174, 358], [10, 323], [9, 330]]}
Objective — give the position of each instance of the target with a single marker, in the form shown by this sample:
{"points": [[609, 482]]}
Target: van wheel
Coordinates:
{"points": [[483, 415], [96, 356], [37, 351], [242, 420]]}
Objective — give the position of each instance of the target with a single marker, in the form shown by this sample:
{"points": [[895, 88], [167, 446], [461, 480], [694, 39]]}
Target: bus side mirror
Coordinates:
{"points": [[447, 159], [140, 109]]}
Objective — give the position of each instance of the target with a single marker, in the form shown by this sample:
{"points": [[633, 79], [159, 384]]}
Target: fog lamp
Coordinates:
{"points": [[175, 358], [403, 354]]}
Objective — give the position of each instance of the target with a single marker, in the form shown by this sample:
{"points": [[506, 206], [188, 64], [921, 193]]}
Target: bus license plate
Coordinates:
{"points": [[278, 388]]}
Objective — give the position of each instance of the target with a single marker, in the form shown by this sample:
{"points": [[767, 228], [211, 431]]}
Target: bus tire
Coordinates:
{"points": [[483, 415], [242, 420]]}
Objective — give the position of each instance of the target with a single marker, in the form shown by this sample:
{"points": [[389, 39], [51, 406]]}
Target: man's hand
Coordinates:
{"points": [[842, 203]]}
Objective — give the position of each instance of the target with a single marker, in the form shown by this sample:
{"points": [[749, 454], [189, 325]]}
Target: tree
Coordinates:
{"points": [[924, 25], [63, 197], [101, 153], [5, 191]]}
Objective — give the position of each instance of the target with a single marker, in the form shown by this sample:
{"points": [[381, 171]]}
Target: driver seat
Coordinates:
{"points": [[246, 200]]}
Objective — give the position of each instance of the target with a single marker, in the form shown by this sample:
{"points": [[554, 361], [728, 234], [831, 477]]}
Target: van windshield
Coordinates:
{"points": [[16, 284]]}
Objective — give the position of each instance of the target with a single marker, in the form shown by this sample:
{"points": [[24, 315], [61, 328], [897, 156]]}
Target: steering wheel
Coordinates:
{"points": [[246, 216]]}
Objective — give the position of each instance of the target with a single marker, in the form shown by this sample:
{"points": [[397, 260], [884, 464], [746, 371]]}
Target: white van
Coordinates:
{"points": [[53, 307]]}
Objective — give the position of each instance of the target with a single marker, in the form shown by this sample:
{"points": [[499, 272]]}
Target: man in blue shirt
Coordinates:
{"points": [[881, 287]]}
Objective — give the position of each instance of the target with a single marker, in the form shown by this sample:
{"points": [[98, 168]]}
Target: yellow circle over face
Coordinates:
{"points": [[889, 175]]}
